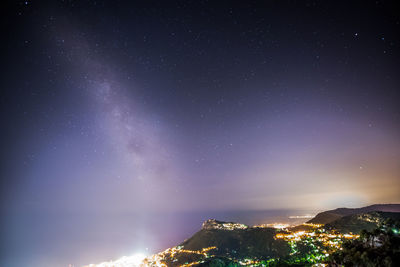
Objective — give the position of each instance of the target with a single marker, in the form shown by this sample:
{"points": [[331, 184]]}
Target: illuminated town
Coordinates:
{"points": [[307, 243], [313, 245], [217, 225]]}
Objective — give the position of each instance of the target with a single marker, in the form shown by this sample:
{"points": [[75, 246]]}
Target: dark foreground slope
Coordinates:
{"points": [[332, 215], [380, 247]]}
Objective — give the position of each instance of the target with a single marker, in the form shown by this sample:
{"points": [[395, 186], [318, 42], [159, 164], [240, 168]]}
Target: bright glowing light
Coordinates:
{"points": [[135, 260], [273, 225], [313, 225], [301, 216], [278, 225], [138, 258]]}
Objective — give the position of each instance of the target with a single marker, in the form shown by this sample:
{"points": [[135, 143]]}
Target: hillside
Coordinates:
{"points": [[221, 243], [365, 221], [238, 240], [332, 215]]}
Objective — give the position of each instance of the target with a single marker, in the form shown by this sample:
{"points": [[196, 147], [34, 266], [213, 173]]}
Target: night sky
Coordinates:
{"points": [[113, 108]]}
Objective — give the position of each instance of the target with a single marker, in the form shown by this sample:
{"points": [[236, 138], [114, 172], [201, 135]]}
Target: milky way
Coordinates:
{"points": [[137, 136]]}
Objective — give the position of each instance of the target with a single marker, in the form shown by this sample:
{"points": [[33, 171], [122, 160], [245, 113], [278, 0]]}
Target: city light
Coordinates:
{"points": [[135, 260], [301, 217], [273, 225]]}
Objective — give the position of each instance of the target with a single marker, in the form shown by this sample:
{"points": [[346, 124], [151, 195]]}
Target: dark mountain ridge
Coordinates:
{"points": [[332, 215]]}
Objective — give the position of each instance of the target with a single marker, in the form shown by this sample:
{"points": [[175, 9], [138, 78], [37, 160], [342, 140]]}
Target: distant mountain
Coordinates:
{"points": [[332, 215]]}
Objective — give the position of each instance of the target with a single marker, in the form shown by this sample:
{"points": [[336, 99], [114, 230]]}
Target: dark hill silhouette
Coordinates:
{"points": [[257, 242], [332, 215]]}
